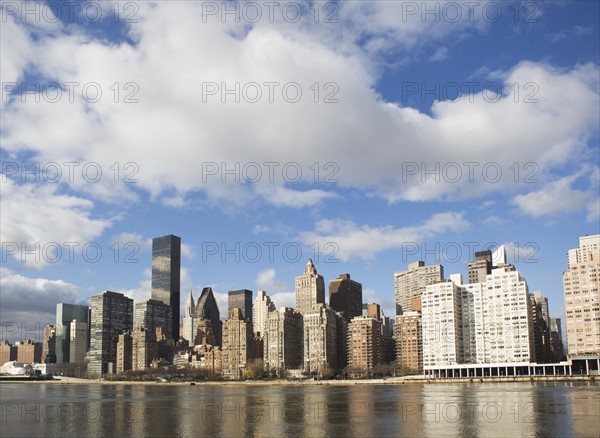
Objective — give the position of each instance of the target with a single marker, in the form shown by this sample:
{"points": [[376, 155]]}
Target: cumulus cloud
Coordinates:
{"points": [[61, 219], [28, 304], [175, 108], [276, 289], [351, 241]]}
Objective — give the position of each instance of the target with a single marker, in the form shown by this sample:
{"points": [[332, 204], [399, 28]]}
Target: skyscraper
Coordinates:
{"points": [[207, 309], [78, 336], [189, 328], [581, 283], [310, 290], [345, 296], [261, 308], [237, 344], [240, 299], [320, 340], [112, 313], [166, 269], [152, 314], [365, 346], [49, 344], [411, 283], [480, 267], [65, 313], [283, 343]]}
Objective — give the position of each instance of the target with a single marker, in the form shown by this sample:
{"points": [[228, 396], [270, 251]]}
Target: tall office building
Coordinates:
{"points": [[189, 328], [152, 314], [166, 270], [556, 340], [365, 344], [112, 314], [581, 283], [65, 313], [207, 309], [282, 340], [478, 269], [541, 326], [310, 290], [237, 345], [345, 296], [411, 283], [240, 299], [261, 308], [78, 337]]}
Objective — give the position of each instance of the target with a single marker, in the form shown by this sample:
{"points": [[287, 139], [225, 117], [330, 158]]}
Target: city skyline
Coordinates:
{"points": [[418, 135]]}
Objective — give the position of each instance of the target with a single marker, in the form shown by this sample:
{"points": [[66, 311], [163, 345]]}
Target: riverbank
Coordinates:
{"points": [[388, 381]]}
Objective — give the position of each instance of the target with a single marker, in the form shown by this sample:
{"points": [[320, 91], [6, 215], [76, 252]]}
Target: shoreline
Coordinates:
{"points": [[388, 381]]}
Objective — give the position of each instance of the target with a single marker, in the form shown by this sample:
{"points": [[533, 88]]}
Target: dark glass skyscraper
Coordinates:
{"points": [[65, 313], [166, 269], [208, 310], [240, 299]]}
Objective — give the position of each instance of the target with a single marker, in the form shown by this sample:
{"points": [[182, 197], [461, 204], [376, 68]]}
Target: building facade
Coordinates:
{"points": [[480, 268], [240, 299], [282, 340], [29, 351], [581, 284], [365, 344], [153, 314], [408, 335], [310, 290], [320, 336], [261, 308], [411, 283], [345, 296], [237, 345], [189, 328], [65, 313], [112, 314], [49, 344], [166, 271], [8, 352], [208, 310], [78, 340]]}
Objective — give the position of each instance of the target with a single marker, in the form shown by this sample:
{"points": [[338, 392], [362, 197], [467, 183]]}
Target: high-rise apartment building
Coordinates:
{"points": [[8, 352], [78, 340], [581, 283], [345, 296], [240, 299], [411, 283], [283, 342], [310, 290], [29, 351], [166, 271], [478, 269], [320, 337], [556, 340], [237, 345], [65, 313], [480, 323], [189, 326], [152, 314], [408, 335], [261, 308], [207, 309], [365, 349], [112, 314]]}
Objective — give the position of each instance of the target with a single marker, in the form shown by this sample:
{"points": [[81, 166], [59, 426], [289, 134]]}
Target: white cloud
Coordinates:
{"points": [[28, 304], [58, 219], [559, 197], [364, 242], [441, 54], [278, 291], [173, 110]]}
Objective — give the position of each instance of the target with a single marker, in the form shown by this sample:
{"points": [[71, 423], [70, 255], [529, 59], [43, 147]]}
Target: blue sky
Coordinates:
{"points": [[407, 115]]}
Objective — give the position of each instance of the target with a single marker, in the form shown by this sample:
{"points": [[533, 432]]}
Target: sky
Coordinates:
{"points": [[363, 135]]}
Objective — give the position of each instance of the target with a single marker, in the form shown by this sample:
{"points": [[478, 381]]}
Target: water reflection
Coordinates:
{"points": [[458, 410]]}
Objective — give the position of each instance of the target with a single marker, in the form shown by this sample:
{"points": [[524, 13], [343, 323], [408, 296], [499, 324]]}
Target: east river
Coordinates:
{"points": [[531, 409]]}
